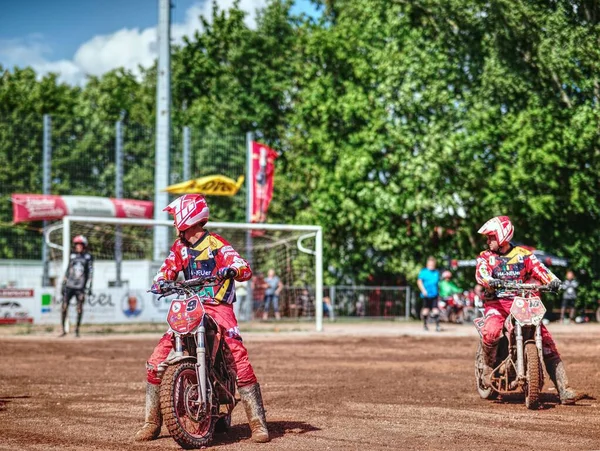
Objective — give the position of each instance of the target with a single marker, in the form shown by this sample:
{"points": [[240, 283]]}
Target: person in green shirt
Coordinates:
{"points": [[447, 286]]}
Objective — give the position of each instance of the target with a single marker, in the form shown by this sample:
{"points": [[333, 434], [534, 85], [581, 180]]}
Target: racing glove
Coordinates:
{"points": [[555, 284], [495, 283], [158, 287], [227, 273]]}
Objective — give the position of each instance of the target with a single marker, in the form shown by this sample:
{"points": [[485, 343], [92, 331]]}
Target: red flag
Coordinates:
{"points": [[263, 173]]}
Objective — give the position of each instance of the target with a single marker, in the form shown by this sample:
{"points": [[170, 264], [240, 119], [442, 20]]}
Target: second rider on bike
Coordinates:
{"points": [[506, 262]]}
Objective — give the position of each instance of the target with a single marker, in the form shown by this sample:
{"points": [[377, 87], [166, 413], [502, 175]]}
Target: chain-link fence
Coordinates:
{"points": [[341, 301], [82, 161]]}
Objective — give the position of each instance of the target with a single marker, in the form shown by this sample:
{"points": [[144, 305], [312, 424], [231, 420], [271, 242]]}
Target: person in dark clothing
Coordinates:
{"points": [[569, 296], [77, 281]]}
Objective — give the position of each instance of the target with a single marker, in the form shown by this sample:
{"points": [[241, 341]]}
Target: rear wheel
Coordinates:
{"points": [[190, 425], [484, 391], [534, 380]]}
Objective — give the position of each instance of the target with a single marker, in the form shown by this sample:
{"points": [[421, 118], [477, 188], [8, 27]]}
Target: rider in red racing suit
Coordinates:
{"points": [[200, 253], [505, 262]]}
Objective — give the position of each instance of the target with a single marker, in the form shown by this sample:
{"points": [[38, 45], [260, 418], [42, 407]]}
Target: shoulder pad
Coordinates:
{"points": [[521, 250]]}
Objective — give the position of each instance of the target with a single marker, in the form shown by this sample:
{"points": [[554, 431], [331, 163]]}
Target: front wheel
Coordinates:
{"points": [[190, 425], [533, 374], [484, 391]]}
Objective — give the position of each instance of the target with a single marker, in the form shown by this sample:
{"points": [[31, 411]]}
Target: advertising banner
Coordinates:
{"points": [[17, 305], [38, 207], [263, 175], [212, 185], [107, 306]]}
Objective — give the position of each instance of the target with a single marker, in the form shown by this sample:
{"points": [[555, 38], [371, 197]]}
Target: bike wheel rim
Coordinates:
{"points": [[195, 429]]}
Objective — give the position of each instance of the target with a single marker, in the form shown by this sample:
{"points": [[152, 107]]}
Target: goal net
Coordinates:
{"points": [[123, 267]]}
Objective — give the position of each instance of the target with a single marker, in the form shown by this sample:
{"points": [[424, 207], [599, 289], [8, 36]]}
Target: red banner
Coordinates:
{"points": [[263, 173], [38, 207]]}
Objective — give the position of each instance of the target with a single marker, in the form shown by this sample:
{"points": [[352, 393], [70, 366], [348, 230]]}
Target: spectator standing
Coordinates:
{"points": [[258, 293], [569, 296], [427, 282], [77, 281], [272, 291]]}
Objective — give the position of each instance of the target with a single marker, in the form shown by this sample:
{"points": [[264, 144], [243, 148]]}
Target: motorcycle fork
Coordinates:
{"points": [[520, 359], [201, 369]]}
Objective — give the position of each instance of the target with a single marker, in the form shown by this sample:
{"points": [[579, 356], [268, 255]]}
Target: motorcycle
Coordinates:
{"points": [[473, 306], [452, 309], [519, 360], [197, 392]]}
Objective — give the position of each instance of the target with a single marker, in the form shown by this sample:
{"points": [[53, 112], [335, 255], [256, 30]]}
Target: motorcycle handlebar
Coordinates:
{"points": [[172, 287], [525, 286]]}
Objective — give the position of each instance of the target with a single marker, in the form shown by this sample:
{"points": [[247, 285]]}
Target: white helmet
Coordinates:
{"points": [[500, 228]]}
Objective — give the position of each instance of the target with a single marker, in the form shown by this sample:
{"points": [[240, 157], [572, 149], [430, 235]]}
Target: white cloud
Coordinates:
{"points": [[128, 48]]}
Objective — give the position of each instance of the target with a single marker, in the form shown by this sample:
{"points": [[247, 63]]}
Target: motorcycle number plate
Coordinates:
{"points": [[185, 314], [528, 310]]}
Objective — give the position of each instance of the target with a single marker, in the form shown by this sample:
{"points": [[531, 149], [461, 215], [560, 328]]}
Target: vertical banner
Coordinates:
{"points": [[263, 173]]}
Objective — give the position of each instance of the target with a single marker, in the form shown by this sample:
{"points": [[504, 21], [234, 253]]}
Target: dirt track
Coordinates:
{"points": [[345, 389]]}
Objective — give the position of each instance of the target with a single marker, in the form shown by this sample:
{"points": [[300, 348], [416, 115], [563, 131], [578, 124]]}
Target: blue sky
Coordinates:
{"points": [[75, 37]]}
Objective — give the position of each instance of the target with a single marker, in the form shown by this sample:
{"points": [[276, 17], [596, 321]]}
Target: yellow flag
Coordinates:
{"points": [[212, 185]]}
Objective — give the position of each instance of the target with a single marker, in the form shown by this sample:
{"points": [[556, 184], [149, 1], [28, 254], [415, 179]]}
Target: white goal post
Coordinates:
{"points": [[295, 233]]}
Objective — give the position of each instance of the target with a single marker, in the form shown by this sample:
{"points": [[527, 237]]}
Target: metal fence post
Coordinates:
{"points": [[47, 169], [248, 311], [118, 195], [186, 153], [163, 128], [332, 299], [407, 305]]}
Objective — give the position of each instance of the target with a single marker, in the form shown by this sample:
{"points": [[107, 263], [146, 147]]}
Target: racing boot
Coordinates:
{"points": [[558, 375], [63, 320], [489, 363], [253, 404], [151, 428]]}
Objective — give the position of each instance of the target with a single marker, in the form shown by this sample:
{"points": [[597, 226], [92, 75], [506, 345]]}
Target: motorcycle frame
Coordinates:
{"points": [[518, 349]]}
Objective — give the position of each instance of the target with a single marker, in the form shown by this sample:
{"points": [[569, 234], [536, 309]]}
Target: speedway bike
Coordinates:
{"points": [[519, 359], [197, 392]]}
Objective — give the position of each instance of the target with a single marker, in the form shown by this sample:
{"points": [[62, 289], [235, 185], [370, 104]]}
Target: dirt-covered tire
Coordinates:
{"points": [[533, 374], [186, 432], [484, 391]]}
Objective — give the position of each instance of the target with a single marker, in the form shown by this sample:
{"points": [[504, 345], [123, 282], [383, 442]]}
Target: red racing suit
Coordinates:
{"points": [[517, 265], [209, 254]]}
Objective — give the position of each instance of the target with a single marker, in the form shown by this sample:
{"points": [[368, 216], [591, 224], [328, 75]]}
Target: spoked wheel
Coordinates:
{"points": [[484, 391], [534, 378], [189, 424]]}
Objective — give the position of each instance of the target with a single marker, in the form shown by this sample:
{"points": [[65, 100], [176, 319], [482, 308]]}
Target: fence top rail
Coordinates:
{"points": [[228, 225], [370, 287]]}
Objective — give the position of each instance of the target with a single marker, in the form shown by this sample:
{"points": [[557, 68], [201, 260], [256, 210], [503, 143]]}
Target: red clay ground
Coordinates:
{"points": [[368, 387]]}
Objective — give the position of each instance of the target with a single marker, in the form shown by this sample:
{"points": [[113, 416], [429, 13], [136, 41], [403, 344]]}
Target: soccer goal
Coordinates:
{"points": [[123, 248]]}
